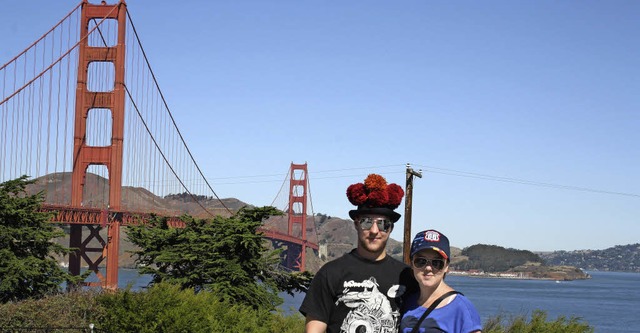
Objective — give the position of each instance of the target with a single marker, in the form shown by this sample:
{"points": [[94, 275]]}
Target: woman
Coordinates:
{"points": [[452, 312]]}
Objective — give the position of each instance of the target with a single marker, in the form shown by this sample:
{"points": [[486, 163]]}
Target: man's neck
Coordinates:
{"points": [[373, 256]]}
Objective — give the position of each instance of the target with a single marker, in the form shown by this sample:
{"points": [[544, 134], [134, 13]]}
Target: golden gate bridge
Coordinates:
{"points": [[81, 112]]}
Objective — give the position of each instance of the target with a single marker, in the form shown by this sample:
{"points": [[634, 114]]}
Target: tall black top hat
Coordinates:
{"points": [[375, 196]]}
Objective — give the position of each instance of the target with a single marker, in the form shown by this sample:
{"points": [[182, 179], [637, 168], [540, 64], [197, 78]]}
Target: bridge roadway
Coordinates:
{"points": [[102, 217]]}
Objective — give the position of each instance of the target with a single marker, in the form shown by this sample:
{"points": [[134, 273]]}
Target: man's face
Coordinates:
{"points": [[373, 232]]}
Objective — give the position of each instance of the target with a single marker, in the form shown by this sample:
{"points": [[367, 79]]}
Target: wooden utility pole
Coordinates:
{"points": [[406, 245]]}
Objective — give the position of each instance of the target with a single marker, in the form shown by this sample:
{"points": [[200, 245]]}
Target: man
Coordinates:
{"points": [[363, 290]]}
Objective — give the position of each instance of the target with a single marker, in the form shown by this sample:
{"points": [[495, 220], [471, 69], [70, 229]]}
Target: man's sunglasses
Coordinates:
{"points": [[421, 262], [383, 224]]}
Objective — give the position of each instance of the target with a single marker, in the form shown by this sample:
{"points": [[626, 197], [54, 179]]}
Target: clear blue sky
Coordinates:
{"points": [[537, 91]]}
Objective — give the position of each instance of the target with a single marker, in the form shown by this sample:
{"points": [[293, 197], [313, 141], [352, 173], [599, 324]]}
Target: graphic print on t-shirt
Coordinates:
{"points": [[370, 308]]}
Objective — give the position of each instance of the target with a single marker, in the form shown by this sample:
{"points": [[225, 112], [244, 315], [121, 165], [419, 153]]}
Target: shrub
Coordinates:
{"points": [[168, 308], [74, 309], [538, 323], [161, 308]]}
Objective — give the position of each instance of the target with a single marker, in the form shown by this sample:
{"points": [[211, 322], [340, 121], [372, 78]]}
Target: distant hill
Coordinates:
{"points": [[621, 258], [497, 261], [57, 188], [336, 236], [493, 258]]}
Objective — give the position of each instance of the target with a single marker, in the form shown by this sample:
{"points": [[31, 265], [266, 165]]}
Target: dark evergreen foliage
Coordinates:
{"points": [[188, 197], [226, 256], [27, 267]]}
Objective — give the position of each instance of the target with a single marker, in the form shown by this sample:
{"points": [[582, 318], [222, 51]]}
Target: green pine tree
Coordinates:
{"points": [[27, 266], [225, 256]]}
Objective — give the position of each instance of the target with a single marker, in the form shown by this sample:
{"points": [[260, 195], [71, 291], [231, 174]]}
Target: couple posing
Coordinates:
{"points": [[367, 291]]}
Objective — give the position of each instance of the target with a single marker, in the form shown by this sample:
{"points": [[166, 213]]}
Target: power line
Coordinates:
{"points": [[280, 175], [435, 170], [459, 173]]}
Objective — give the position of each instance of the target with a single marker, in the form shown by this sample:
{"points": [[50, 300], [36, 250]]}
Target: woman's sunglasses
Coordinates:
{"points": [[421, 262]]}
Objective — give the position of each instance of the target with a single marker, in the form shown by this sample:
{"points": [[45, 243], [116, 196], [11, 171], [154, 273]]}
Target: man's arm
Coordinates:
{"points": [[315, 326]]}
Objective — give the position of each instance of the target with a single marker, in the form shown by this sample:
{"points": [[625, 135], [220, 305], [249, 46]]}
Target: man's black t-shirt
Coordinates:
{"points": [[353, 294]]}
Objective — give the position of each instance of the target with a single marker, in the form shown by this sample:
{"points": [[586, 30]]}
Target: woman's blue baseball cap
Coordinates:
{"points": [[431, 239]]}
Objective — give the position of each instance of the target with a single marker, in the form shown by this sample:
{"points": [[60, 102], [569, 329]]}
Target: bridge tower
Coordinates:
{"points": [[108, 156], [298, 213]]}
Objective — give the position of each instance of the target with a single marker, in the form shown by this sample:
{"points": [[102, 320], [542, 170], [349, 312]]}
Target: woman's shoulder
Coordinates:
{"points": [[461, 301], [461, 298]]}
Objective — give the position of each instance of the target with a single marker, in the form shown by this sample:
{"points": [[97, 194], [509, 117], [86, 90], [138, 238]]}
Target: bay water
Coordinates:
{"points": [[609, 301]]}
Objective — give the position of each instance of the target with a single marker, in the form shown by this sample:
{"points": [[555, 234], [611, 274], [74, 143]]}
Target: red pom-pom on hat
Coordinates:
{"points": [[375, 192], [378, 198], [395, 195], [375, 196], [357, 194], [375, 182]]}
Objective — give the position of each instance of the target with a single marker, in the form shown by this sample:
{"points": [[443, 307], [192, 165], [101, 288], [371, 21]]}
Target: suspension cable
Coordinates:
{"points": [[144, 54]]}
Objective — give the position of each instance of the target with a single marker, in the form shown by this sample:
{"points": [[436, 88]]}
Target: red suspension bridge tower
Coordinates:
{"points": [[109, 156], [298, 211], [293, 240]]}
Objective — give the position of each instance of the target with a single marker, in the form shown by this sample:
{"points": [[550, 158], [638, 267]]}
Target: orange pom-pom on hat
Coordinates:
{"points": [[375, 196]]}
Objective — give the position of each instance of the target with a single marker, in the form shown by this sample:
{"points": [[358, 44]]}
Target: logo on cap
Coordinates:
{"points": [[432, 236]]}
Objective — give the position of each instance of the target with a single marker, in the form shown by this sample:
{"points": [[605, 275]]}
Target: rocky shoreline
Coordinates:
{"points": [[557, 273]]}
